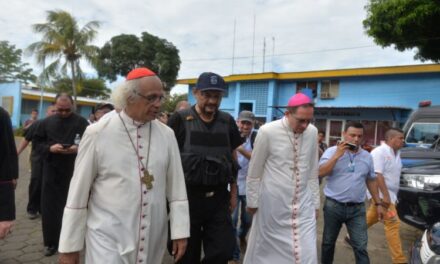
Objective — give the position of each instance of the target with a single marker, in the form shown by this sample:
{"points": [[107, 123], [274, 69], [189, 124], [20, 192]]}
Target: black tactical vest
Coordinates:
{"points": [[206, 153]]}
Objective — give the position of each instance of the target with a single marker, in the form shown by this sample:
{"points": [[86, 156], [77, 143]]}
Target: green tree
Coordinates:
{"points": [[125, 52], [406, 24], [171, 101], [65, 42], [11, 66], [88, 87]]}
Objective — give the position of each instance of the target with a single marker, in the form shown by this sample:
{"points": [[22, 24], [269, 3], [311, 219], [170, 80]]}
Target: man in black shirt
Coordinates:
{"points": [[33, 207], [8, 174], [55, 138], [207, 138]]}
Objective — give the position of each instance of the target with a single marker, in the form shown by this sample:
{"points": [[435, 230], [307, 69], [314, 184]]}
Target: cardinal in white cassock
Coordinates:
{"points": [[128, 168]]}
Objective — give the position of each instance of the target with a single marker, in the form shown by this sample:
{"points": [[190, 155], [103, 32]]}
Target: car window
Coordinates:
{"points": [[423, 133]]}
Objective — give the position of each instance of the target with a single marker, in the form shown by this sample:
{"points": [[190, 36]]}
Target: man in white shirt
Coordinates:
{"points": [[128, 167], [388, 166]]}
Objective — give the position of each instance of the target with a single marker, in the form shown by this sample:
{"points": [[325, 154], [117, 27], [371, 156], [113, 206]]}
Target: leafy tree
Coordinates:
{"points": [[170, 102], [92, 88], [125, 52], [407, 24], [67, 43], [11, 67]]}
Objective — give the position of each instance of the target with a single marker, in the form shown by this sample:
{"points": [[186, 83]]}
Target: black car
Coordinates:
{"points": [[419, 194]]}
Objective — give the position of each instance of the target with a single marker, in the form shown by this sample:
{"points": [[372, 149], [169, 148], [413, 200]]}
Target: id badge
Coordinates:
{"points": [[351, 167]]}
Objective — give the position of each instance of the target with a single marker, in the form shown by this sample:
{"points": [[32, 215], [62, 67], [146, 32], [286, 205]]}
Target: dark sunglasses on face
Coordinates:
{"points": [[64, 110]]}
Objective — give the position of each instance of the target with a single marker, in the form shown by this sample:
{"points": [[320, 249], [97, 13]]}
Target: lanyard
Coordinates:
{"points": [[351, 165], [351, 157]]}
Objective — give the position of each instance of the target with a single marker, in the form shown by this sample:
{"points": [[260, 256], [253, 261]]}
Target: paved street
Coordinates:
{"points": [[25, 245]]}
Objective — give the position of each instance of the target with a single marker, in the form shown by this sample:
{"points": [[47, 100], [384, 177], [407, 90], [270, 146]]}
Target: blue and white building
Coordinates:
{"points": [[19, 100], [379, 97]]}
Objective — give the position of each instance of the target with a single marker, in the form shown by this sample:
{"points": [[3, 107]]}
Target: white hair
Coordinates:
{"points": [[124, 91]]}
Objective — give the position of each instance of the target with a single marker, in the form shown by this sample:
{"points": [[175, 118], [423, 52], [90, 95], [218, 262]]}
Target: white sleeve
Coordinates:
{"points": [[176, 192], [378, 160], [75, 213], [256, 167], [313, 182]]}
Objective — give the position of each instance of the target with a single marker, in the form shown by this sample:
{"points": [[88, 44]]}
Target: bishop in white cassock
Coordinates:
{"points": [[283, 189], [127, 168]]}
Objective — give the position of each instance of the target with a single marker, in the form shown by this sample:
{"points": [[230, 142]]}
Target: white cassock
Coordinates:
{"points": [[283, 184], [109, 208]]}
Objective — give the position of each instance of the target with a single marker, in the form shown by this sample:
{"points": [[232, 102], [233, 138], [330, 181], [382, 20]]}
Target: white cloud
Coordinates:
{"points": [[204, 29]]}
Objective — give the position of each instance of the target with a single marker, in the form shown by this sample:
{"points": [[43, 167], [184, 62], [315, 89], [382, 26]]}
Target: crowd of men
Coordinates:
{"points": [[117, 183]]}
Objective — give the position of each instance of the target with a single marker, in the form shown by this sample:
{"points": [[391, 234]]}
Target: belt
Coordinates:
{"points": [[343, 204]]}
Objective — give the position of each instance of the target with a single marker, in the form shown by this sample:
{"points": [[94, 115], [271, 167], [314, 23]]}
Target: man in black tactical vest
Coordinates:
{"points": [[207, 138]]}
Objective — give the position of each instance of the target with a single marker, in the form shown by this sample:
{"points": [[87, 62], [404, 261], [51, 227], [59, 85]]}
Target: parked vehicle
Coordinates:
{"points": [[419, 193], [426, 250], [422, 127]]}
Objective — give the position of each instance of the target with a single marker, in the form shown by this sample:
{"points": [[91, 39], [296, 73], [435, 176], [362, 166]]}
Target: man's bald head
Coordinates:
{"points": [[64, 105]]}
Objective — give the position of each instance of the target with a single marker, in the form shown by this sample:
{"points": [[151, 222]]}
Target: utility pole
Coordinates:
{"points": [[233, 46], [273, 53], [264, 53], [40, 113], [253, 46]]}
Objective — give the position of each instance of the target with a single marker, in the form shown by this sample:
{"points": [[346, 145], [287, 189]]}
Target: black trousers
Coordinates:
{"points": [[211, 227], [55, 188], [7, 200], [35, 187]]}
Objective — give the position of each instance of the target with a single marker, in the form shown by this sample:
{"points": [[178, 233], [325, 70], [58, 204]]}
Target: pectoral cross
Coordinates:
{"points": [[148, 180]]}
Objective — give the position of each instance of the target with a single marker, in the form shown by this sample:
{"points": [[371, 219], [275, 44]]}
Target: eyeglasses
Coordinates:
{"points": [[64, 110], [151, 99]]}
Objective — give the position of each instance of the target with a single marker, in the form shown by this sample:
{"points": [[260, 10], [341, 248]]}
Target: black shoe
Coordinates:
{"points": [[32, 215], [49, 251]]}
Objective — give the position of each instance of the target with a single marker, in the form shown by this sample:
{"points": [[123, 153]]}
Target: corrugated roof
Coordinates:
{"points": [[36, 94]]}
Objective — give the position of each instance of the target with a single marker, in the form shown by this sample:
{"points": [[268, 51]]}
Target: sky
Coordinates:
{"points": [[300, 35]]}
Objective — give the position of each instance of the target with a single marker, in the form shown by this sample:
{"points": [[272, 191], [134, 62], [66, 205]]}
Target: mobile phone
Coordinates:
{"points": [[351, 146], [66, 145]]}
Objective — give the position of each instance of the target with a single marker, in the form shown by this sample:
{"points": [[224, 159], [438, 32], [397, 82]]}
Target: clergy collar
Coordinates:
{"points": [[130, 121]]}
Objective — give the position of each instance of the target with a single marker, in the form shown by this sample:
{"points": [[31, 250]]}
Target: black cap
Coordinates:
{"points": [[209, 81]]}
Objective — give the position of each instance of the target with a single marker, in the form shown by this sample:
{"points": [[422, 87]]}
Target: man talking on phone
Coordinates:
{"points": [[349, 170], [54, 139]]}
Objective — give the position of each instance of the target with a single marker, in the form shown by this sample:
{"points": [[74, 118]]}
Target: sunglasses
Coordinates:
{"points": [[64, 110]]}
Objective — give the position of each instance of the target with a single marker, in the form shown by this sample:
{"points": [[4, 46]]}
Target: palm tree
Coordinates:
{"points": [[65, 43]]}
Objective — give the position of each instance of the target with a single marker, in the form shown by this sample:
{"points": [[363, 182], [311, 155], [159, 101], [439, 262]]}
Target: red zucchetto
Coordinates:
{"points": [[139, 73]]}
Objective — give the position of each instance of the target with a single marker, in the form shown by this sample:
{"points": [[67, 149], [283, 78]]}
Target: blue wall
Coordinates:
{"points": [[14, 90], [258, 92], [399, 91]]}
